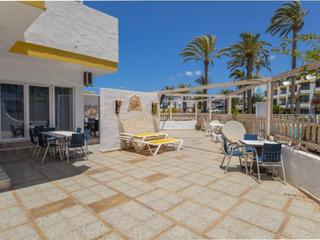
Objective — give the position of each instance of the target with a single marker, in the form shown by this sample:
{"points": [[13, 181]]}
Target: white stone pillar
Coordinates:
{"points": [[196, 111], [229, 105], [210, 108], [269, 109], [170, 112]]}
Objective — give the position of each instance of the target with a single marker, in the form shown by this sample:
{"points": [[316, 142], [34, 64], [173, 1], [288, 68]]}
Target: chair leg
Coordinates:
{"points": [[227, 166], [34, 151], [283, 172], [87, 150], [258, 171], [67, 153], [38, 153], [246, 164], [223, 160], [45, 154]]}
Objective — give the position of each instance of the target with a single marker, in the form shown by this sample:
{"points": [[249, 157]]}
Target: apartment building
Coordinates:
{"points": [[307, 92]]}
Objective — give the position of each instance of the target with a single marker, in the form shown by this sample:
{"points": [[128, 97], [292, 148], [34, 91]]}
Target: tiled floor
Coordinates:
{"points": [[175, 195]]}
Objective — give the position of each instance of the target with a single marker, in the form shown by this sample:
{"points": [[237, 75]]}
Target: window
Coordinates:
{"points": [[274, 101], [38, 106], [275, 92], [318, 83], [12, 111], [305, 86], [304, 99], [282, 102], [64, 108], [283, 91], [304, 111]]}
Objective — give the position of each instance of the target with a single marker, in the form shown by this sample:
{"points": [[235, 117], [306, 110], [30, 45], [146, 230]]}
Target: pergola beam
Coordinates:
{"points": [[194, 95], [255, 81]]}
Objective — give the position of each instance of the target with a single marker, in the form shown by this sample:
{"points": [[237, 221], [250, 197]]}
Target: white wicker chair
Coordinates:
{"points": [[232, 131]]}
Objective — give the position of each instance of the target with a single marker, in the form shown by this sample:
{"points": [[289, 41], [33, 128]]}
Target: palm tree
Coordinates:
{"points": [[184, 85], [202, 81], [225, 92], [238, 75], [248, 53], [289, 18], [201, 48]]}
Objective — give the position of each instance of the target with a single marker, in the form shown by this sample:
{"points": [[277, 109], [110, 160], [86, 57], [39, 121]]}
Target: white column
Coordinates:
{"points": [[170, 112], [269, 108], [230, 105], [210, 108], [52, 119], [26, 110], [196, 111], [78, 107]]}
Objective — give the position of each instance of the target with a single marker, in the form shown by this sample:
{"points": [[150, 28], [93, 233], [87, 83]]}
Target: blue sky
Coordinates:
{"points": [[152, 34]]}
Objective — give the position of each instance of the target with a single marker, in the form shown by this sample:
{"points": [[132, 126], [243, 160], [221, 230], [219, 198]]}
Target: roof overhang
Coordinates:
{"points": [[38, 51]]}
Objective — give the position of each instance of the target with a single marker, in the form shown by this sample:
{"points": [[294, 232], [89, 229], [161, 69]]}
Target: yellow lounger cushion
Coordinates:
{"points": [[142, 135], [164, 141]]}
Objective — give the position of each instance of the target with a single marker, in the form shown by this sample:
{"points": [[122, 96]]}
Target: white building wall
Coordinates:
{"points": [[27, 71], [111, 124]]}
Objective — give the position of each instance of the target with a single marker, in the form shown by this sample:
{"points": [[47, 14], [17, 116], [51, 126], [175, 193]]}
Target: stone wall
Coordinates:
{"points": [[126, 121]]}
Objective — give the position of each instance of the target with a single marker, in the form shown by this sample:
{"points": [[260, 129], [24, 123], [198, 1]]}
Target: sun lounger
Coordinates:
{"points": [[136, 140], [155, 145]]}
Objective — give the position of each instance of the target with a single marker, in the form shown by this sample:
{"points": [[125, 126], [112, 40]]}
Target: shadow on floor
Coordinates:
{"points": [[24, 172]]}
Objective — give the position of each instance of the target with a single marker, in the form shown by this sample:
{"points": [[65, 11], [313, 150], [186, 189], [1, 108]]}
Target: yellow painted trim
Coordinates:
{"points": [[36, 4], [38, 51], [304, 94]]}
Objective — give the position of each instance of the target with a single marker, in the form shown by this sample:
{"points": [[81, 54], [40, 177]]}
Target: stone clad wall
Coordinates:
{"points": [[112, 124]]}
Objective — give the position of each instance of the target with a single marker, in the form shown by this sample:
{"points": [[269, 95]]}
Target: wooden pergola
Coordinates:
{"points": [[248, 84]]}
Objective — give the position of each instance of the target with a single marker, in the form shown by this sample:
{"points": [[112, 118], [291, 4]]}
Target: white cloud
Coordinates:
{"points": [[188, 73], [272, 57], [197, 73]]}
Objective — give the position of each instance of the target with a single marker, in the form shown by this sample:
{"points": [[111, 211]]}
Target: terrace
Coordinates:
{"points": [[174, 195]]}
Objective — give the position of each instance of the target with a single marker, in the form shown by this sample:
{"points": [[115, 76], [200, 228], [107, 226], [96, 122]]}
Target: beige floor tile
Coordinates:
{"points": [[193, 215], [232, 228], [302, 228], [179, 233], [11, 217], [136, 221], [199, 178], [160, 200], [267, 198], [20, 233], [305, 209], [171, 184], [228, 187], [258, 215]]}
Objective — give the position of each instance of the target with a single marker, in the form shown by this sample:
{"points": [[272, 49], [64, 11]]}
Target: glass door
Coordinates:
{"points": [[39, 106], [11, 111], [64, 108]]}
